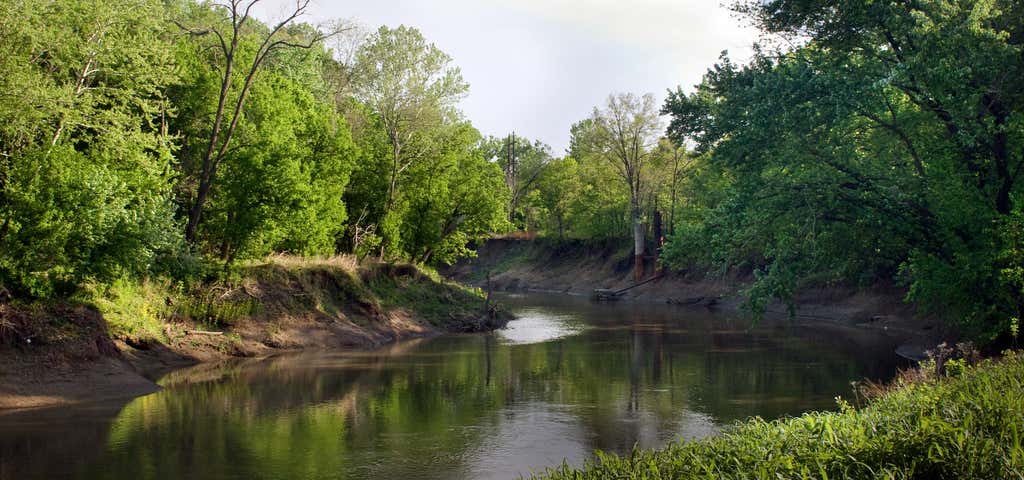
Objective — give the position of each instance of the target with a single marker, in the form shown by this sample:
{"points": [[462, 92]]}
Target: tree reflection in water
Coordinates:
{"points": [[484, 406]]}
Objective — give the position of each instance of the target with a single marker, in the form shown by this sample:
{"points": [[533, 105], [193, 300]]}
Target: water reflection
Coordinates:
{"points": [[535, 325], [569, 378]]}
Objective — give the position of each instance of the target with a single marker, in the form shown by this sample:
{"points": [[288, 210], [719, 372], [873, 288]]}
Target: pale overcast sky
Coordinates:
{"points": [[538, 66]]}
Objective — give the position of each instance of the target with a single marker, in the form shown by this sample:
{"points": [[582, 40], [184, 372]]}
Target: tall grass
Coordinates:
{"points": [[964, 427], [133, 309], [138, 310], [279, 286]]}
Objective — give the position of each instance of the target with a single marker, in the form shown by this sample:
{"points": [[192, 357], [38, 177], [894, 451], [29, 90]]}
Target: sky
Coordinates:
{"points": [[535, 67]]}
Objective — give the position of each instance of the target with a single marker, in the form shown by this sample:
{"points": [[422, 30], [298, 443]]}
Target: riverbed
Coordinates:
{"points": [[566, 378]]}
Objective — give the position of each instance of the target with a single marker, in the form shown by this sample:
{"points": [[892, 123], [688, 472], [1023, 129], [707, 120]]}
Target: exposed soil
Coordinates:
{"points": [[61, 354], [581, 268]]}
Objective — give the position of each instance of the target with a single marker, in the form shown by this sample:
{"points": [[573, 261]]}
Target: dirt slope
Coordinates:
{"points": [[64, 353], [579, 268]]}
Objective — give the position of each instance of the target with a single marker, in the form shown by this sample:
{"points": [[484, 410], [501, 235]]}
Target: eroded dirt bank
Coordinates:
{"points": [[580, 268], [64, 353]]}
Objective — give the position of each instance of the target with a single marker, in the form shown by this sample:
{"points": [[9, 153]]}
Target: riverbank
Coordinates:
{"points": [[966, 425], [578, 268], [127, 334]]}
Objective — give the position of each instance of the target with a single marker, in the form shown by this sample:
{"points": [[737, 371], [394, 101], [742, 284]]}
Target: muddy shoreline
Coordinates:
{"points": [[64, 353], [53, 377], [523, 265]]}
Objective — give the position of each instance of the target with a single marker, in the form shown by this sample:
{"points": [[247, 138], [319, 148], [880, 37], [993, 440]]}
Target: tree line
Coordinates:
{"points": [[146, 137], [864, 144]]}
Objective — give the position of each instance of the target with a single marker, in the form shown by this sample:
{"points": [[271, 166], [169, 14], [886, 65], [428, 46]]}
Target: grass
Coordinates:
{"points": [[276, 288], [133, 309], [423, 292], [968, 426]]}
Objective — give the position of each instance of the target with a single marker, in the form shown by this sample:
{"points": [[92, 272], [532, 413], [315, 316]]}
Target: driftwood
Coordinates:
{"points": [[607, 294], [202, 332], [686, 301]]}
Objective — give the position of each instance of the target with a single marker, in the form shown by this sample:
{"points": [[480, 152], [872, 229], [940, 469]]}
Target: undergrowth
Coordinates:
{"points": [[139, 310], [965, 425], [424, 292], [133, 309]]}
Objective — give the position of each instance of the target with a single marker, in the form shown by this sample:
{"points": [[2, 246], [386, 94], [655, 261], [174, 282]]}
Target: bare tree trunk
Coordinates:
{"points": [[239, 15], [638, 245], [389, 202]]}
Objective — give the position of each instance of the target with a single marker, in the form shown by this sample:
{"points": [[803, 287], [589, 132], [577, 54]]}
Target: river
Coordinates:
{"points": [[568, 377]]}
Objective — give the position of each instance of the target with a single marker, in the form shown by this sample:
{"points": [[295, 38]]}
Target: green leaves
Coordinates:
{"points": [[877, 149], [84, 180]]}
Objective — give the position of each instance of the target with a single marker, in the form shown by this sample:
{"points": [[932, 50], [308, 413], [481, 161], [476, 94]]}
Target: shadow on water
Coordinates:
{"points": [[567, 378]]}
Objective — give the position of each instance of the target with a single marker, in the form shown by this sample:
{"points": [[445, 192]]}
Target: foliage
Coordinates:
{"points": [[83, 160], [411, 89], [522, 162], [965, 426], [133, 310], [129, 127], [873, 150]]}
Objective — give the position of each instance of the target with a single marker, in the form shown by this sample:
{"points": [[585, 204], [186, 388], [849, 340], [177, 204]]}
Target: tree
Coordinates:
{"points": [[283, 183], [231, 44], [873, 149], [84, 153], [671, 163], [412, 88], [558, 190], [522, 162], [623, 133], [452, 199]]}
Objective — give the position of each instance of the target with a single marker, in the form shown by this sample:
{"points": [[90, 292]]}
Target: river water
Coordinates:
{"points": [[568, 377]]}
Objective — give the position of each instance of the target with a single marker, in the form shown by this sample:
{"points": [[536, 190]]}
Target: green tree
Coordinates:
{"points": [[876, 148], [412, 88], [522, 162], [623, 133], [283, 183], [453, 199], [558, 190], [84, 154], [239, 42]]}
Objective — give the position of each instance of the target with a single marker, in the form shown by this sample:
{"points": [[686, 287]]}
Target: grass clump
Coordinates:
{"points": [[213, 309], [134, 310], [955, 427], [424, 292]]}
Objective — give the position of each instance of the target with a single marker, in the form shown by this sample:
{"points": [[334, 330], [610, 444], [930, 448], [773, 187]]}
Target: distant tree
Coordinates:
{"points": [[558, 190], [671, 163], [623, 133], [522, 162]]}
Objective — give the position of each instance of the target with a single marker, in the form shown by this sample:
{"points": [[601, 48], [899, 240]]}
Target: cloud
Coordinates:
{"points": [[537, 66]]}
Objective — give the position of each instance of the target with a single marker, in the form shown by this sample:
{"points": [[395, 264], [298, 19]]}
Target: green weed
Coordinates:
{"points": [[956, 427]]}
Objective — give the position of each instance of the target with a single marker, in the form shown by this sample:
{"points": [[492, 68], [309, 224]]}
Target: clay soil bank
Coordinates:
{"points": [[580, 268], [64, 353]]}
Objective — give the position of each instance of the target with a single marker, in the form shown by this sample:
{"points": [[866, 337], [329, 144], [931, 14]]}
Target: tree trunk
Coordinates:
{"points": [[638, 246], [206, 174]]}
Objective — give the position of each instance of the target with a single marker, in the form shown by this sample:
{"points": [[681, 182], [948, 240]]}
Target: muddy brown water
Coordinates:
{"points": [[568, 377]]}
